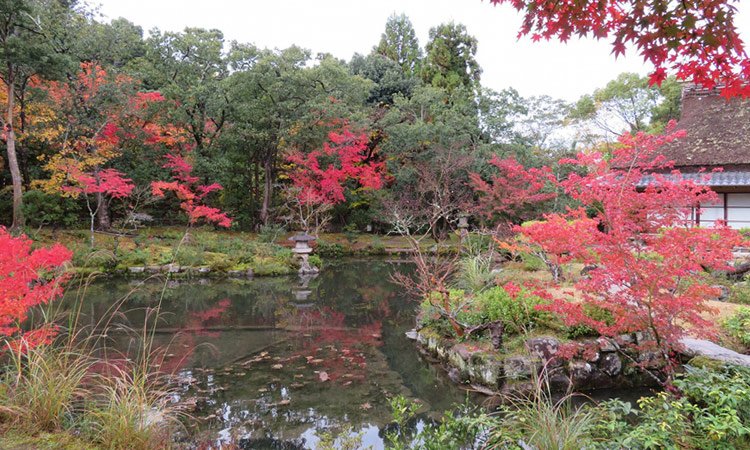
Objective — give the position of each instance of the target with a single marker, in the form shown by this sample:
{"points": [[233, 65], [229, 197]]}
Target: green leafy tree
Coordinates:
{"points": [[26, 51], [188, 67], [629, 103], [277, 104]]}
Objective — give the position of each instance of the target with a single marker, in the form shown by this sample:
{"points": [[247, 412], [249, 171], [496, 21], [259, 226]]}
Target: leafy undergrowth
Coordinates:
{"points": [[708, 409], [220, 251]]}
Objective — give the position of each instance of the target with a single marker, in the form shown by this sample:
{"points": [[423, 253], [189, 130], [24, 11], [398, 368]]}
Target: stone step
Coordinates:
{"points": [[707, 349]]}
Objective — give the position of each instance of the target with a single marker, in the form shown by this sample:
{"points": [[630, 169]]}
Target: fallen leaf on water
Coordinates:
{"points": [[323, 376]]}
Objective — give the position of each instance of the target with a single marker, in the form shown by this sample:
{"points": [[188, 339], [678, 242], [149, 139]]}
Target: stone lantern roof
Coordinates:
{"points": [[302, 237]]}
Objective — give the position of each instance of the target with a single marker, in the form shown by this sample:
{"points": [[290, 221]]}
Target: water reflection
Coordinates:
{"points": [[273, 362]]}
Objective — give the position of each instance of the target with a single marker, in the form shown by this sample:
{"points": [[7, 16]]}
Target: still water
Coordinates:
{"points": [[275, 362]]}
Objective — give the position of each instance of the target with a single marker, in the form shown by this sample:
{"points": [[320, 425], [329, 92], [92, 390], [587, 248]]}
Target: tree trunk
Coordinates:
{"points": [[267, 191], [102, 212], [15, 173]]}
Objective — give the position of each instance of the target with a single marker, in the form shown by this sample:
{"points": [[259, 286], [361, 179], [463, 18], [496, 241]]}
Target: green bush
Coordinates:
{"points": [[377, 247], [517, 314], [333, 249], [99, 259], [41, 208], [738, 325], [136, 257], [740, 293], [315, 261], [475, 272], [218, 262], [711, 412]]}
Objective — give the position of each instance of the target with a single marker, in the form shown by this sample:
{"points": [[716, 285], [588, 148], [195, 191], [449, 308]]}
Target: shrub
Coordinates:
{"points": [[711, 412], [41, 208], [99, 259], [132, 410], [475, 272], [334, 250], [740, 293], [315, 261], [136, 257], [518, 315], [738, 325]]}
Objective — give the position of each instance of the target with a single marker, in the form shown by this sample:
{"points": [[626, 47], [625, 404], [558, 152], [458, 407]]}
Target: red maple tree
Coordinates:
{"points": [[28, 278], [190, 192], [322, 174], [321, 178], [510, 194], [648, 261], [696, 40], [105, 184]]}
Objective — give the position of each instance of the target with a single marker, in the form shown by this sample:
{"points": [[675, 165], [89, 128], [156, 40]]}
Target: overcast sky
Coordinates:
{"points": [[345, 27]]}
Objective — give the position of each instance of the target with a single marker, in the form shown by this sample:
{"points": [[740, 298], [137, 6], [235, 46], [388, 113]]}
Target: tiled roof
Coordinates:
{"points": [[718, 131], [714, 179]]}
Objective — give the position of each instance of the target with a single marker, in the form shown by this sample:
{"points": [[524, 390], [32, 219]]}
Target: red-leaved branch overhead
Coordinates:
{"points": [[696, 40]]}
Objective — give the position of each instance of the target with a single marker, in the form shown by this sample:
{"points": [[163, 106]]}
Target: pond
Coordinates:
{"points": [[274, 362]]}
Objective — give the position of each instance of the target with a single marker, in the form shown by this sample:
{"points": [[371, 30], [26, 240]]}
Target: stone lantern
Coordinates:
{"points": [[463, 227], [302, 249]]}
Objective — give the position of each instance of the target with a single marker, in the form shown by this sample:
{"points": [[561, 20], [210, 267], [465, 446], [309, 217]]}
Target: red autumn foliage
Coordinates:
{"points": [[696, 40], [648, 260], [28, 278], [110, 182], [321, 176], [509, 195], [190, 193]]}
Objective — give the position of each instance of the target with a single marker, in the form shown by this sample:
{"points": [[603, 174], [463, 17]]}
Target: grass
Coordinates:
{"points": [[541, 422], [132, 410], [61, 440], [66, 394], [43, 387]]}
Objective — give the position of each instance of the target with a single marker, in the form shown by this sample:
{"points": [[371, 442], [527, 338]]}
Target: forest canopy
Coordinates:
{"points": [[98, 108]]}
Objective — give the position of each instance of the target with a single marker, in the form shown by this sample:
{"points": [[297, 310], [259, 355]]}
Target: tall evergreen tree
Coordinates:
{"points": [[450, 60], [399, 43]]}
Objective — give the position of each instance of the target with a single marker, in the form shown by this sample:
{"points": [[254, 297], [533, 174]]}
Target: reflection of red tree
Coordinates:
{"points": [[331, 346], [177, 353]]}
